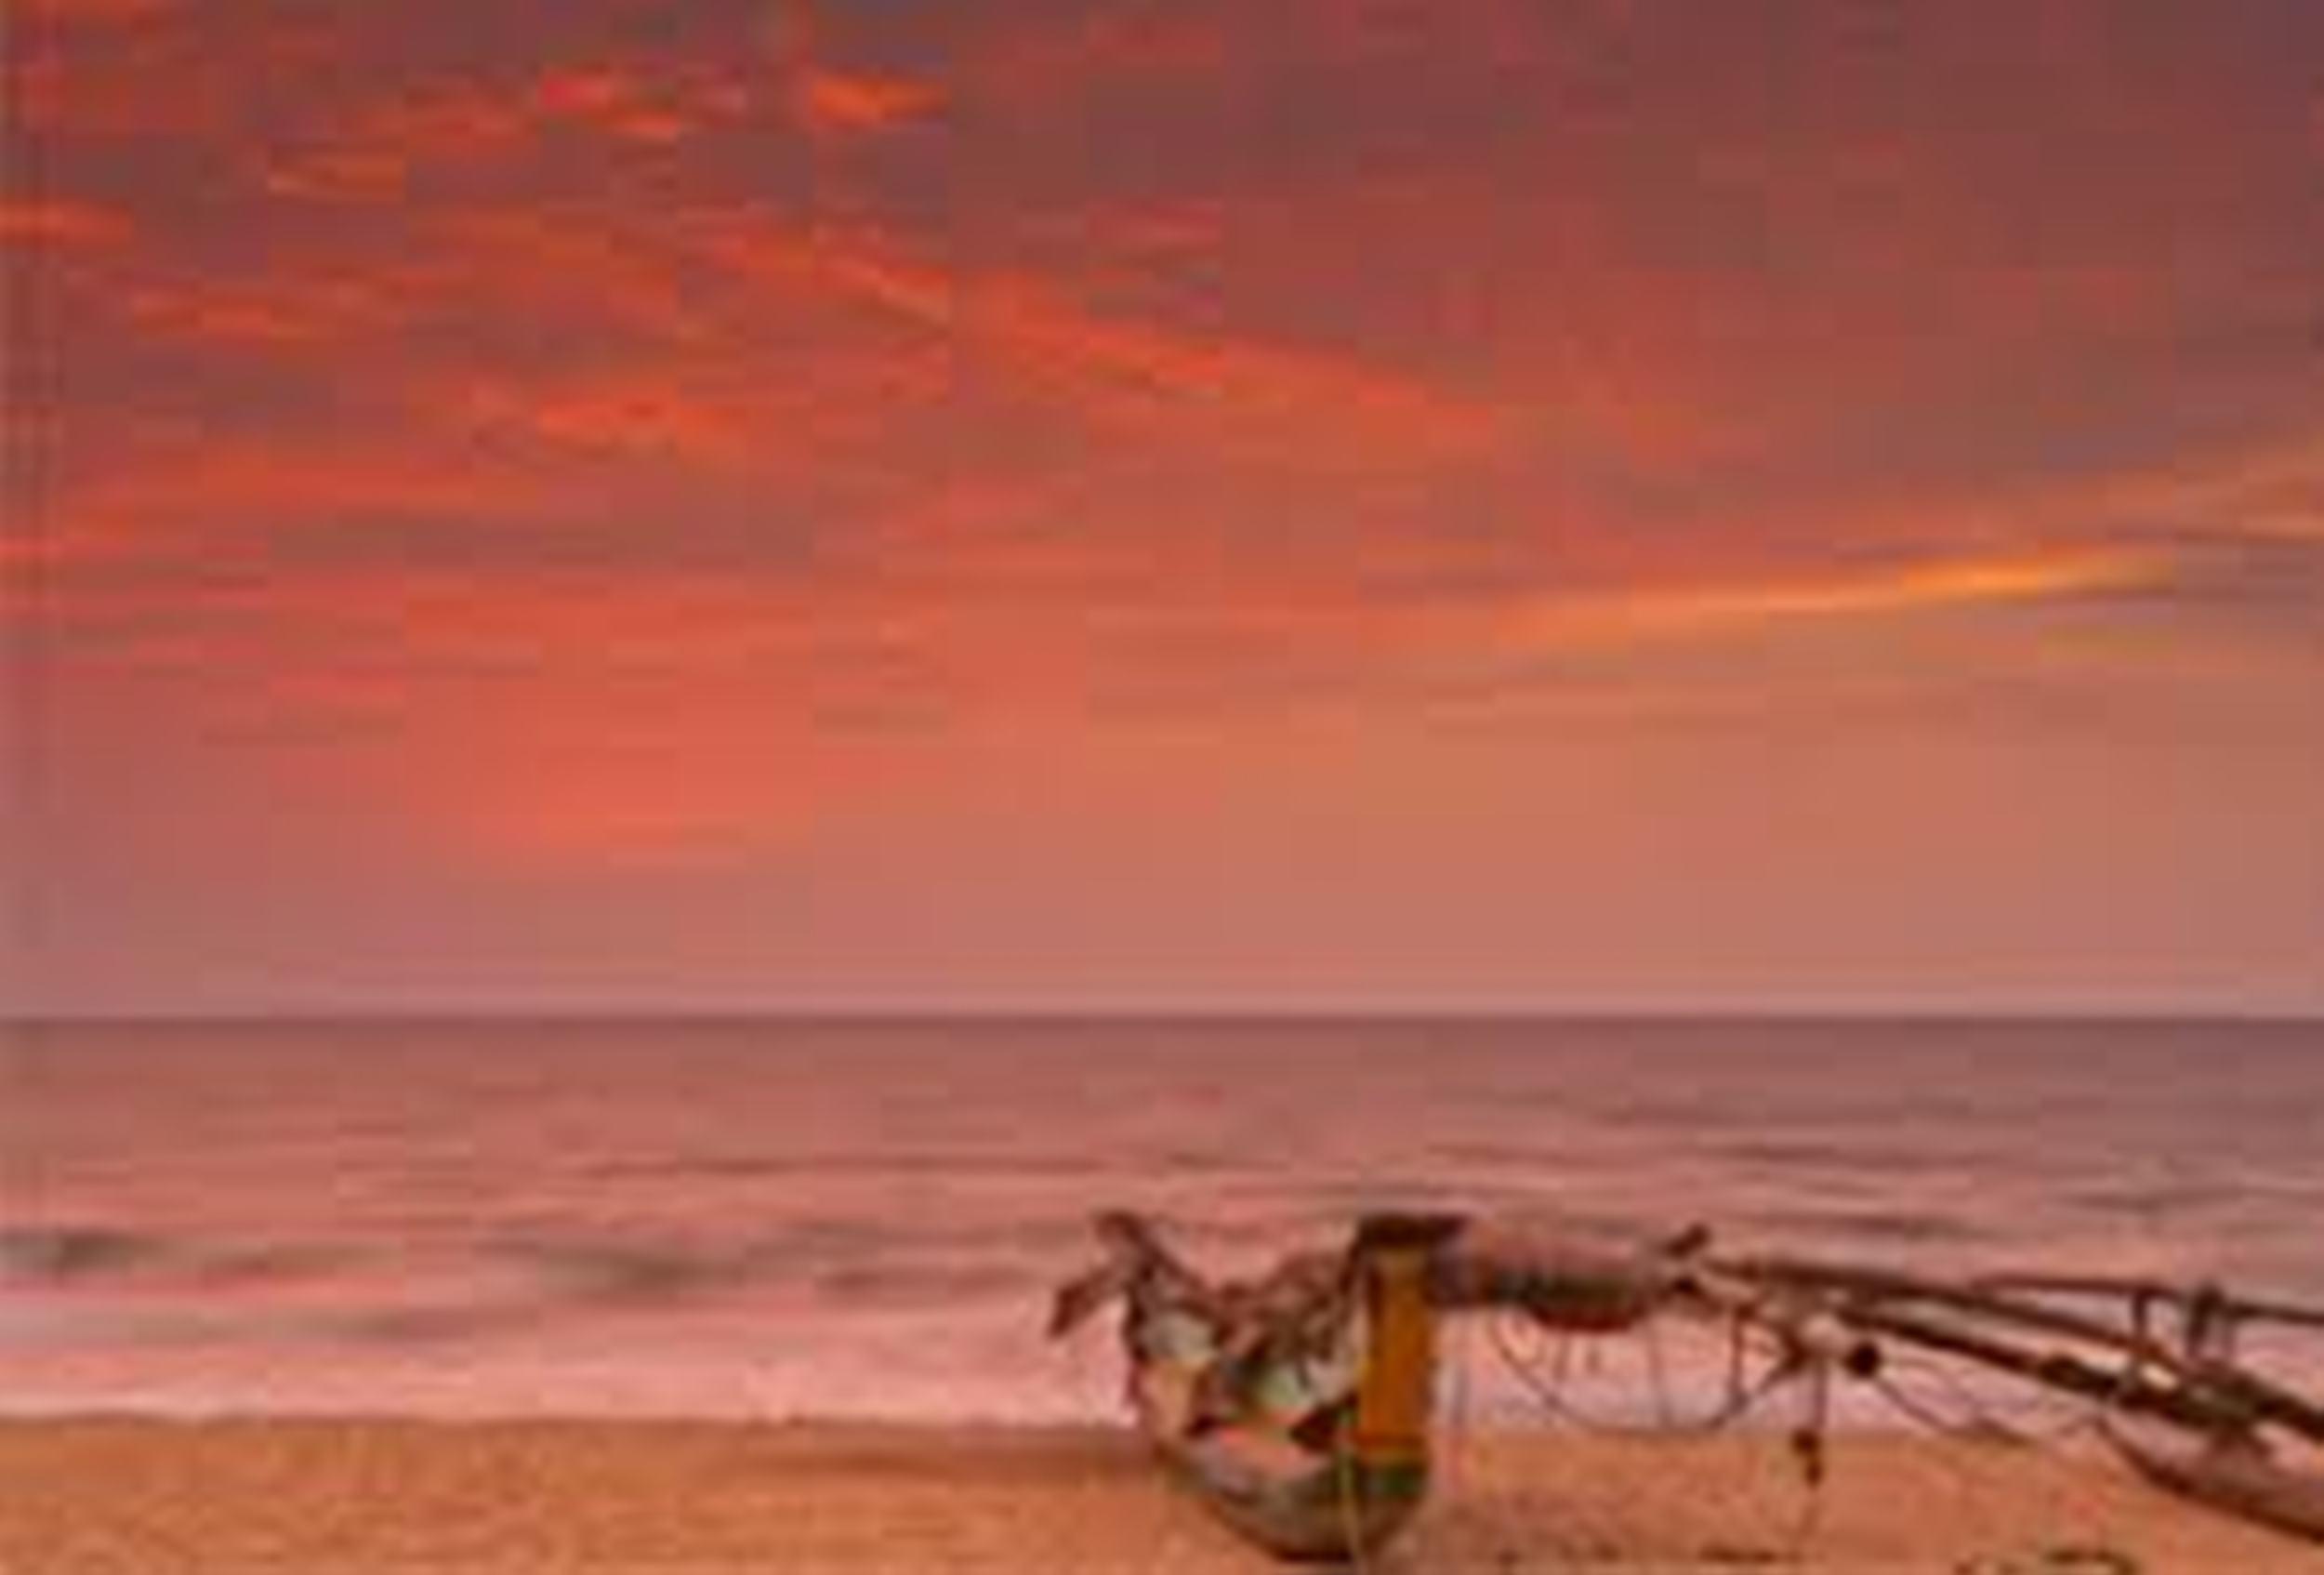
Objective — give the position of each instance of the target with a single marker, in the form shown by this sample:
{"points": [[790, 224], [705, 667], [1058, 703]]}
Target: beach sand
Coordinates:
{"points": [[205, 1498]]}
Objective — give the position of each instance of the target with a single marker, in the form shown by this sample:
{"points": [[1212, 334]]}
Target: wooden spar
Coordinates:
{"points": [[1856, 1283], [2244, 1309], [2231, 1396], [2056, 1370]]}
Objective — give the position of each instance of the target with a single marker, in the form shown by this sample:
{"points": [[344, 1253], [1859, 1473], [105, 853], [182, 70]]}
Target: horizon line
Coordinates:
{"points": [[1031, 1012]]}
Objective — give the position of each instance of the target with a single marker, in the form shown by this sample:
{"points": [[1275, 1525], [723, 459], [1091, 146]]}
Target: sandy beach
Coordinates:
{"points": [[550, 1498]]}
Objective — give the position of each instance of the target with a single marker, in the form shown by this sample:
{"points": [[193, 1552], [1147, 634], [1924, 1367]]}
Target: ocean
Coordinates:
{"points": [[861, 1219]]}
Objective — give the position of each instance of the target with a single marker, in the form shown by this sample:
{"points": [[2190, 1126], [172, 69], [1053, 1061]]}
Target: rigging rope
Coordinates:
{"points": [[1740, 1400]]}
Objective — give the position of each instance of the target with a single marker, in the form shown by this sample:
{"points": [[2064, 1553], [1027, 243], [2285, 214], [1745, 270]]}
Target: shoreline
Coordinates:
{"points": [[582, 1497]]}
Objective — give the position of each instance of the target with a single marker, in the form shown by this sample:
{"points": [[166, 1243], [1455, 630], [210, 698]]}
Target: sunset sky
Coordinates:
{"points": [[1206, 504]]}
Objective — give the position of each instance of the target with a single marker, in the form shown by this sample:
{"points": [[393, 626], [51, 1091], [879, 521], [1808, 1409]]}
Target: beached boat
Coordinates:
{"points": [[1307, 1434], [1297, 1406]]}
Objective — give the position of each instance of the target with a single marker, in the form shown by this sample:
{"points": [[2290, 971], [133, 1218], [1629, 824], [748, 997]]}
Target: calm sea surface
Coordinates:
{"points": [[785, 1218]]}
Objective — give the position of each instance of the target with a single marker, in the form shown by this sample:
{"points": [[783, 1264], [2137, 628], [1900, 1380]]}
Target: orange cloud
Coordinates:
{"points": [[372, 148], [1934, 586], [61, 222], [691, 420], [348, 173], [203, 497], [627, 416], [2276, 480], [832, 102], [271, 314], [656, 107], [375, 152], [1221, 388]]}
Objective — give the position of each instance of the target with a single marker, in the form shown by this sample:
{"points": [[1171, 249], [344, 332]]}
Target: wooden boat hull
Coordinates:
{"points": [[1310, 1442], [1330, 1513]]}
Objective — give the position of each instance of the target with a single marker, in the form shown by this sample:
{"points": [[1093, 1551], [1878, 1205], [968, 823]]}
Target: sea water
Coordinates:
{"points": [[786, 1218]]}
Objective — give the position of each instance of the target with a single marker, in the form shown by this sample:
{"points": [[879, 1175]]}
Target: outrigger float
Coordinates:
{"points": [[1297, 1406]]}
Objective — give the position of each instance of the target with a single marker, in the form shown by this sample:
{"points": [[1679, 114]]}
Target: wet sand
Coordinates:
{"points": [[533, 1498]]}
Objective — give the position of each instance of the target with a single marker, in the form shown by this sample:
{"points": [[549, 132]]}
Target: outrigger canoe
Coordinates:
{"points": [[1297, 1406]]}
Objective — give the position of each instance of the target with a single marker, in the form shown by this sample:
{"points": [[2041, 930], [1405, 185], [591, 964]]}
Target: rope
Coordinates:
{"points": [[1740, 1400], [1972, 1414], [1918, 1411]]}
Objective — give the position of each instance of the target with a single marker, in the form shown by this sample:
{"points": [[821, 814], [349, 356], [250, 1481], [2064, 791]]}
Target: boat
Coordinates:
{"points": [[1296, 1407], [1307, 1434]]}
